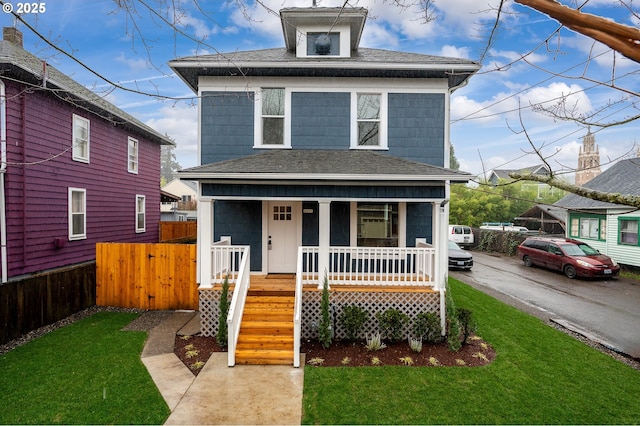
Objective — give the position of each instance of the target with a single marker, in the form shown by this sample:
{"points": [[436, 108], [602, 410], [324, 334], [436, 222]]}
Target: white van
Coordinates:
{"points": [[461, 234]]}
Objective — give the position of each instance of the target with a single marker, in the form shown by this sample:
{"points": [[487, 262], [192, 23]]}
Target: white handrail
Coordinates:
{"points": [[297, 310], [236, 308]]}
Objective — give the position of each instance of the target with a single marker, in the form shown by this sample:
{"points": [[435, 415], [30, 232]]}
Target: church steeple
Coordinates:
{"points": [[588, 159]]}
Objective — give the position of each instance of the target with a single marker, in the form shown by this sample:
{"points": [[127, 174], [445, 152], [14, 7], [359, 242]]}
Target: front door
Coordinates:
{"points": [[282, 237]]}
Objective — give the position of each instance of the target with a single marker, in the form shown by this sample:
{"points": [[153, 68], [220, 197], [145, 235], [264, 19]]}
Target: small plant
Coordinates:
{"points": [[481, 356], [374, 343], [223, 331], [453, 326], [186, 337], [189, 347], [415, 345], [324, 327], [468, 323], [392, 322], [484, 346], [426, 325], [376, 361], [345, 361], [191, 354], [197, 365], [460, 362], [352, 319], [406, 360], [434, 361], [316, 361]]}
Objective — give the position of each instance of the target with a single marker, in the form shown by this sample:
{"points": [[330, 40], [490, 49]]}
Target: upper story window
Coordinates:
{"points": [[80, 150], [323, 44], [272, 127], [77, 213], [133, 155], [140, 213], [369, 128]]}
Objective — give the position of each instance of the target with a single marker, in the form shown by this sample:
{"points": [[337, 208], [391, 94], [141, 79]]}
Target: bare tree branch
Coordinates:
{"points": [[622, 38]]}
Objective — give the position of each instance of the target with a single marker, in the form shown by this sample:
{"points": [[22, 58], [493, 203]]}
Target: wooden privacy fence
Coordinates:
{"points": [[176, 231], [146, 276]]}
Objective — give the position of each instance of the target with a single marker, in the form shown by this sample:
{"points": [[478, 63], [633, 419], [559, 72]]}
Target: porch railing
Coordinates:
{"points": [[409, 266], [236, 308]]}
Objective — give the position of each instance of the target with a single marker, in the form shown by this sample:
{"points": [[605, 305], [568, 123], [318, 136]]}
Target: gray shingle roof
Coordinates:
{"points": [[324, 164], [622, 178], [363, 63], [26, 67]]}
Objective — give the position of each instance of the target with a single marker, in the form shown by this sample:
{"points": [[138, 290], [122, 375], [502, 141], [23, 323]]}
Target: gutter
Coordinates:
{"points": [[3, 171]]}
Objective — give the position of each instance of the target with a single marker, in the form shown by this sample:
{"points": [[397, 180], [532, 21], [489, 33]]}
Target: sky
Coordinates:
{"points": [[528, 67]]}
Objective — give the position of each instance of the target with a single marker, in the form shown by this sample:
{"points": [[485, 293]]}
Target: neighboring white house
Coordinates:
{"points": [[186, 208], [613, 229]]}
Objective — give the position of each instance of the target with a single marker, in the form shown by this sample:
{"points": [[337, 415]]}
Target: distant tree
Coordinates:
{"points": [[453, 161], [502, 203], [168, 164]]}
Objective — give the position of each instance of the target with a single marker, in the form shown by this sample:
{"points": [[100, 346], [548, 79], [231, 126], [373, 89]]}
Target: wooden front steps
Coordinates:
{"points": [[266, 332]]}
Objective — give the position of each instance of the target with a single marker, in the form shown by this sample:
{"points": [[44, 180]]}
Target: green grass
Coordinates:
{"points": [[540, 376], [89, 372]]}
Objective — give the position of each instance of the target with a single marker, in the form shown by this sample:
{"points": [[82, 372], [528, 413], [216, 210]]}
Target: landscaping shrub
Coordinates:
{"points": [[391, 322], [325, 330], [223, 331], [468, 324], [426, 326], [352, 319]]}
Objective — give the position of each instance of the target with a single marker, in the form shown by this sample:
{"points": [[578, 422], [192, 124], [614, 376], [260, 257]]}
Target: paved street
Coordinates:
{"points": [[607, 311]]}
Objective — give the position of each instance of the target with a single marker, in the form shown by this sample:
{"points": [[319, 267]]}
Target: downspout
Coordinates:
{"points": [[3, 170], [442, 261]]}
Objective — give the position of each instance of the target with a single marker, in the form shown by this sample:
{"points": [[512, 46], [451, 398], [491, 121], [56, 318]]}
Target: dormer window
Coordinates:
{"points": [[323, 44]]}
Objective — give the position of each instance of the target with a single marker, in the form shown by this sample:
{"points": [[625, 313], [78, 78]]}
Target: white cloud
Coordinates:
{"points": [[454, 52], [180, 122]]}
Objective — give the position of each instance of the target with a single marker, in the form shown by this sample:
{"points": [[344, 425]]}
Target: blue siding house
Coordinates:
{"points": [[323, 158]]}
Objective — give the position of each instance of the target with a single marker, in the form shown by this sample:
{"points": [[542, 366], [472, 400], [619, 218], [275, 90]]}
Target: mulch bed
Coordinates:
{"points": [[347, 354]]}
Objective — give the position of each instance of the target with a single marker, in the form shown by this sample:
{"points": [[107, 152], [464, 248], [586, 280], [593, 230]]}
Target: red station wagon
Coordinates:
{"points": [[572, 257]]}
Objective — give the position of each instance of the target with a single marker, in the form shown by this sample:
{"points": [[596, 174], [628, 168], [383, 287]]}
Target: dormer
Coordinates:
{"points": [[322, 32]]}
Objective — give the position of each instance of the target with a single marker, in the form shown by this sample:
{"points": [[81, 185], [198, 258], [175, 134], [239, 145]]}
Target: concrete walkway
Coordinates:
{"points": [[244, 394]]}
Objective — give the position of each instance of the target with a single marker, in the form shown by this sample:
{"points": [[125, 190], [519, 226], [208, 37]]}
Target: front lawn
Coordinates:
{"points": [[89, 372], [540, 376]]}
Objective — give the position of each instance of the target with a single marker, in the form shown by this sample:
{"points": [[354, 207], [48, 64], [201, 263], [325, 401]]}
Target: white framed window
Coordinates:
{"points": [[140, 213], [80, 139], [132, 163], [77, 214], [369, 120], [316, 41], [272, 129]]}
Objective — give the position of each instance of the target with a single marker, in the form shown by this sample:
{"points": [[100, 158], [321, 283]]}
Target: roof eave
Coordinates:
{"points": [[200, 175]]}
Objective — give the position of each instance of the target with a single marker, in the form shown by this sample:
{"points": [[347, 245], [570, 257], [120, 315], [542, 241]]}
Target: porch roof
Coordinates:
{"points": [[333, 165]]}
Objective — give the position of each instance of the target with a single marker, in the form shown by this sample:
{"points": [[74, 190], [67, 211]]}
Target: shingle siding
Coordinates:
{"points": [[242, 221], [320, 120], [37, 192], [227, 128], [416, 127], [419, 220]]}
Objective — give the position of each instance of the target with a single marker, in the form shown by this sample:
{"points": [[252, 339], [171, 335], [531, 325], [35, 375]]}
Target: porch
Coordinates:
{"points": [[270, 314]]}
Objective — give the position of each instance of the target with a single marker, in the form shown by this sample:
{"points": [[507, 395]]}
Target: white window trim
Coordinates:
{"points": [[137, 150], [383, 138], [73, 139], [72, 236], [144, 227], [257, 119], [345, 40]]}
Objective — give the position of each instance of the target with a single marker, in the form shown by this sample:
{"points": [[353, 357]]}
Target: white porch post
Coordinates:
{"points": [[205, 241], [324, 239]]}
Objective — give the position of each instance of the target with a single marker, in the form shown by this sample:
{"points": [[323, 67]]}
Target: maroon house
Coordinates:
{"points": [[75, 170]]}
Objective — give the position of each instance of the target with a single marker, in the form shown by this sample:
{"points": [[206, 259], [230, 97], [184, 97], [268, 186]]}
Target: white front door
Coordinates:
{"points": [[282, 236]]}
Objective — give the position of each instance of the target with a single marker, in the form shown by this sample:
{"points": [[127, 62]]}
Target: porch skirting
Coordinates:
{"points": [[409, 301]]}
